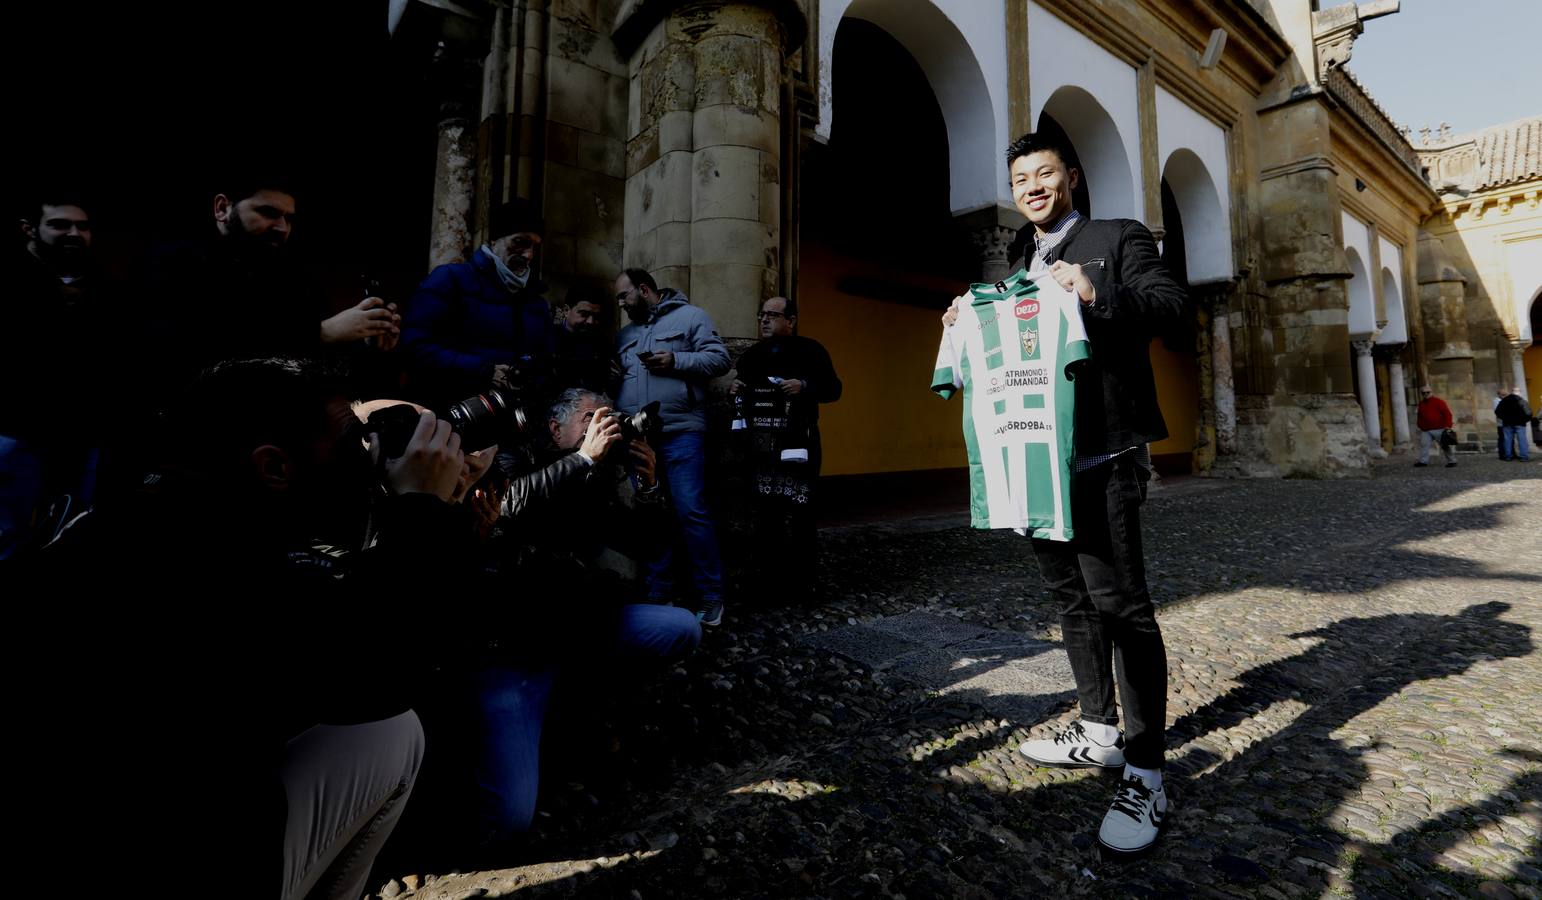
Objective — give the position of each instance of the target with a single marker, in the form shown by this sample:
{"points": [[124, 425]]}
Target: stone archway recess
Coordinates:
{"points": [[957, 79], [1206, 240], [1362, 333], [1095, 137]]}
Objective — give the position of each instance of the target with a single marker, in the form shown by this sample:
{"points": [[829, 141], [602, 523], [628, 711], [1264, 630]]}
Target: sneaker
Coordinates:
{"points": [[1135, 818], [710, 612], [1420, 465], [1073, 748], [1450, 465]]}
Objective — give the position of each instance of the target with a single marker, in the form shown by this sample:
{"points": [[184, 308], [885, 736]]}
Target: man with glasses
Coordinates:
{"points": [[668, 354], [793, 374], [1433, 418]]}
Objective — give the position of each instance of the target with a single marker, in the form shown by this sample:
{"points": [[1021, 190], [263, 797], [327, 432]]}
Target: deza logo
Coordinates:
{"points": [[1026, 309]]}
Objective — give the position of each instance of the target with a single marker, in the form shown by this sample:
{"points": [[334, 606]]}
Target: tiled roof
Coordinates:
{"points": [[1488, 158]]}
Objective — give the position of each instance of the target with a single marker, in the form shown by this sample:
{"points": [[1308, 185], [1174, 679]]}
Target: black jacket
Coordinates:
{"points": [[1116, 402], [1513, 411]]}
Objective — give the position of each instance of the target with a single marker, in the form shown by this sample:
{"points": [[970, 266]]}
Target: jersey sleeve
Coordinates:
{"points": [[945, 374], [1076, 347]]}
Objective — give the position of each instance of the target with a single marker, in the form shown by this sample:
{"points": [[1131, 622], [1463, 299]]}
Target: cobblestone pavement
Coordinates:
{"points": [[1355, 710]]}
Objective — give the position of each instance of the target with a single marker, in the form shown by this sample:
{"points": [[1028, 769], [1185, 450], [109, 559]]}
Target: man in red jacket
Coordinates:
{"points": [[1434, 419]]}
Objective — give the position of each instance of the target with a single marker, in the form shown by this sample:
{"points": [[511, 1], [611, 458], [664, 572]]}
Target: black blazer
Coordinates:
{"points": [[1116, 403]]}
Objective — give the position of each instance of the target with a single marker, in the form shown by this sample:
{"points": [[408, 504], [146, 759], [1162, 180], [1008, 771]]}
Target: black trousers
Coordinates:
{"points": [[1106, 616]]}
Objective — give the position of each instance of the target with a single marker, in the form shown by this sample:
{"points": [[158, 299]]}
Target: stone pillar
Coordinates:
{"points": [[704, 167], [1365, 369], [455, 160], [1304, 420], [1397, 389], [1447, 347], [1518, 366], [1225, 386], [992, 242]]}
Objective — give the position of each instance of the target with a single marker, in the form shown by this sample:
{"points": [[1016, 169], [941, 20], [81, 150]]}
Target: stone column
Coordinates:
{"points": [[1447, 345], [704, 166], [1365, 370], [455, 160], [993, 242], [1304, 420], [1225, 385], [1518, 366], [1398, 391]]}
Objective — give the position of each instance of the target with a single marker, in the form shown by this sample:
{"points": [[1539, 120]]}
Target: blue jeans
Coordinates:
{"points": [[684, 475], [511, 703], [32, 480], [1518, 434]]}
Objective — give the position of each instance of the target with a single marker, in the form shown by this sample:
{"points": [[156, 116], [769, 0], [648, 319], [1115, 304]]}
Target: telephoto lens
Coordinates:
{"points": [[482, 420]]}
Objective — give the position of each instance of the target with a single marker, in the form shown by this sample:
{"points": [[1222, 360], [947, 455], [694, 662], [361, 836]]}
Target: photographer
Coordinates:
{"points": [[574, 519], [239, 640]]}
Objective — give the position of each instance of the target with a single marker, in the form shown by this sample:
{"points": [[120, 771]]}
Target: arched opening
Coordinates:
{"points": [[880, 255], [1173, 360], [1099, 150], [1188, 186], [1362, 306], [1396, 329]]}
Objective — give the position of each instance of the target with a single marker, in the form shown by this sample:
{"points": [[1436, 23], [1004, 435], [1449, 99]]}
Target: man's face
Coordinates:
{"points": [[631, 299], [264, 219], [62, 236], [1041, 187], [569, 436], [518, 250], [582, 318], [774, 321]]}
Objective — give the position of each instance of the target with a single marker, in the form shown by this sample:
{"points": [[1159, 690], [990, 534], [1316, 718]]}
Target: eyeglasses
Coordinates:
{"points": [[772, 315]]}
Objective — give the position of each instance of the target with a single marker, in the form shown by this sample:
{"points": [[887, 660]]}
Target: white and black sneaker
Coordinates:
{"points": [[1074, 748], [1135, 818]]}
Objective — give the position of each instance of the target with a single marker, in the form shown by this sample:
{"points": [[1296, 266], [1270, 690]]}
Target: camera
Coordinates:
{"points": [[481, 421], [642, 425]]}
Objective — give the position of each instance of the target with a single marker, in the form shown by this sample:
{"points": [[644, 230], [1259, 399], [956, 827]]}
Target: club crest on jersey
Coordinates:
{"points": [[1026, 309], [1030, 343]]}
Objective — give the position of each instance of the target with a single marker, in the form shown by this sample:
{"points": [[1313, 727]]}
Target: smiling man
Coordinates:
{"points": [[1126, 295]]}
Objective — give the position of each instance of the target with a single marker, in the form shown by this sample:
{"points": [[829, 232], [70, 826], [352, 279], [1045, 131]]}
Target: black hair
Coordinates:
{"points": [[236, 406], [641, 279], [1038, 141]]}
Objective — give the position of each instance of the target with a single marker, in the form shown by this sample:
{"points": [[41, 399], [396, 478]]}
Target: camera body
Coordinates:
{"points": [[642, 425]]}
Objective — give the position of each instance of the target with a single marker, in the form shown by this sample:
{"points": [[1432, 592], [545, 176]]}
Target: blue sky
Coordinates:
{"points": [[1471, 63]]}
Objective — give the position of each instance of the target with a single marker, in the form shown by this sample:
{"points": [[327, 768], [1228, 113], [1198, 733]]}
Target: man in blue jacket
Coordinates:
{"points": [[669, 353], [484, 321]]}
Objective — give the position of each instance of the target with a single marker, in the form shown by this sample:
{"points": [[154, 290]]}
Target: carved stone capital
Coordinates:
{"points": [[1390, 352], [993, 241], [1363, 348]]}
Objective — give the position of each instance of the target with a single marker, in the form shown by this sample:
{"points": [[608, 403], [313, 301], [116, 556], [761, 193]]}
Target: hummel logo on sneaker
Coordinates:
{"points": [[1074, 748], [1135, 818]]}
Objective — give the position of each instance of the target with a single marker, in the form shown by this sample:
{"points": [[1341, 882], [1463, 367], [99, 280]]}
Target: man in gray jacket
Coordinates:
{"points": [[669, 352]]}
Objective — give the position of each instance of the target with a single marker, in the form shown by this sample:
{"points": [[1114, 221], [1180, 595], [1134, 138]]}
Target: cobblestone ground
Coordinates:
{"points": [[1355, 710]]}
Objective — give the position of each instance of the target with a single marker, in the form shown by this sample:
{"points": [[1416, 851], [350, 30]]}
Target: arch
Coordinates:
{"points": [[1206, 230], [1396, 329], [1362, 305], [1100, 148], [960, 68]]}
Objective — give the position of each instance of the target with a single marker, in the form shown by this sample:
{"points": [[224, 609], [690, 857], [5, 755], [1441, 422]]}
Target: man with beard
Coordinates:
{"points": [[668, 354], [238, 293], [50, 351], [483, 322]]}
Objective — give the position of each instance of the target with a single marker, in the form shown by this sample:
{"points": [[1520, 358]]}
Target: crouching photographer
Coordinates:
{"points": [[231, 634], [578, 512]]}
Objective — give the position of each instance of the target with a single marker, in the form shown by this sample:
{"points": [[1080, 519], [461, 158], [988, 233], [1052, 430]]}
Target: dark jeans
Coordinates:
{"points": [[1106, 616]]}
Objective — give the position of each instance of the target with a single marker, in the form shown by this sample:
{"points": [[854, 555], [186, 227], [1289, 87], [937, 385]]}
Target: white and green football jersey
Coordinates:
{"points": [[1009, 351]]}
